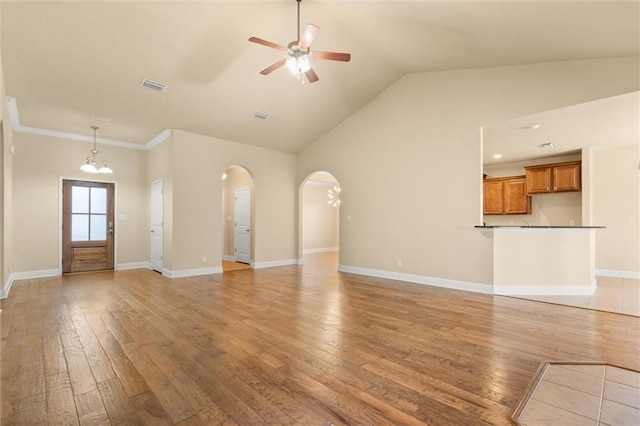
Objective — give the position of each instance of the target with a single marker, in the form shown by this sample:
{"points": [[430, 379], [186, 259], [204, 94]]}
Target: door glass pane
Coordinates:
{"points": [[98, 227], [98, 200], [79, 199], [79, 227]]}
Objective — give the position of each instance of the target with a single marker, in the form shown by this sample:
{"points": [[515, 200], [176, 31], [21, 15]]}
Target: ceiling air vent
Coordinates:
{"points": [[154, 85], [261, 115]]}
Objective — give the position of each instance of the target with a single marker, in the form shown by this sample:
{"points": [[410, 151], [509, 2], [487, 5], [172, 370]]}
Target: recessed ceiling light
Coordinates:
{"points": [[547, 145], [531, 127], [496, 156], [99, 118]]}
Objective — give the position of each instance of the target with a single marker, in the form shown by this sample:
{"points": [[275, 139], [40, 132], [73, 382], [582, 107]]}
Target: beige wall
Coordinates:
{"points": [[320, 220], [558, 209], [409, 162], [237, 177], [39, 163], [615, 186], [8, 256], [159, 161], [198, 164], [191, 167], [6, 140]]}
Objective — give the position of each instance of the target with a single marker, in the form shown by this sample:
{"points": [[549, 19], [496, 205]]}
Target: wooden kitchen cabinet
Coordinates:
{"points": [[558, 177], [493, 196], [538, 180], [507, 195], [566, 177]]}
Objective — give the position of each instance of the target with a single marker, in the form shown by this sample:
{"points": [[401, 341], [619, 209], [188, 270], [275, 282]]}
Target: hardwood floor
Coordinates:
{"points": [[288, 345], [228, 266]]}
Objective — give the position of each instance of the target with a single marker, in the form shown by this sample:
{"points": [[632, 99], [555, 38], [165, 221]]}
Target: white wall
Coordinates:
{"points": [[320, 220], [410, 166]]}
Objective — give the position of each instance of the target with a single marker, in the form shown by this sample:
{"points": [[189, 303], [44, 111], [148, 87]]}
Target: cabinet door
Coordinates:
{"points": [[566, 178], [515, 197], [493, 197], [538, 180]]}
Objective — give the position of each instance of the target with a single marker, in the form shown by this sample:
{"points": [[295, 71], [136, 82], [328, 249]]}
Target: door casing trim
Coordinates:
{"points": [[61, 180]]}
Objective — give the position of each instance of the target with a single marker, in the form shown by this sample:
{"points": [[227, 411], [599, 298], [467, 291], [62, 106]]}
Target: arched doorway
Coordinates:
{"points": [[320, 219], [238, 232]]}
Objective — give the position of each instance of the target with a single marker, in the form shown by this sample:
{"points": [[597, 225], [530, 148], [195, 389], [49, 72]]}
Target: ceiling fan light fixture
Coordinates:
{"points": [[299, 64], [299, 52]]}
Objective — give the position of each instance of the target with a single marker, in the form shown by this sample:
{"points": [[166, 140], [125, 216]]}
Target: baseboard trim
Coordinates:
{"points": [[319, 250], [419, 279], [133, 265], [634, 275], [16, 276], [274, 263], [229, 258], [545, 290], [184, 273], [300, 262]]}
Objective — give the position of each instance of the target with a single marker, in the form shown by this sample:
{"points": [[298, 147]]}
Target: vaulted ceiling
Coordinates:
{"points": [[65, 62]]}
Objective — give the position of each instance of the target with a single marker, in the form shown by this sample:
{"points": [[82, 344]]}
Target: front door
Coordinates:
{"points": [[242, 228], [87, 226]]}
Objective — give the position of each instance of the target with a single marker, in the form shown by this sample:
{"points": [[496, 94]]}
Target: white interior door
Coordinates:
{"points": [[242, 224], [157, 224]]}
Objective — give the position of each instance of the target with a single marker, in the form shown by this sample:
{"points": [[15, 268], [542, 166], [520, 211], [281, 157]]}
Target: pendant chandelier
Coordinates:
{"points": [[94, 164]]}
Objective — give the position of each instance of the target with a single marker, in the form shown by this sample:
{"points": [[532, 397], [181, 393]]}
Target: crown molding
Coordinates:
{"points": [[157, 140], [14, 118]]}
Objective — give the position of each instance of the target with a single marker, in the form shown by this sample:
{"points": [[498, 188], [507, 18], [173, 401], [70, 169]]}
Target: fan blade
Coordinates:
{"points": [[310, 32], [273, 67], [332, 56], [267, 43], [311, 75]]}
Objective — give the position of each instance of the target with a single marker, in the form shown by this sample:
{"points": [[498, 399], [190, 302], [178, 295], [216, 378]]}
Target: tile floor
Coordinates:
{"points": [[582, 394], [620, 295]]}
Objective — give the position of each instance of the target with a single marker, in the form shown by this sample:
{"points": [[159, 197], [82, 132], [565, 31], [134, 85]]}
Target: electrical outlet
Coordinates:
{"points": [[204, 259], [399, 263]]}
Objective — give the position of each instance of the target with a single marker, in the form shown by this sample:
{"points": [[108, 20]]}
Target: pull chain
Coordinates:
{"points": [[298, 19]]}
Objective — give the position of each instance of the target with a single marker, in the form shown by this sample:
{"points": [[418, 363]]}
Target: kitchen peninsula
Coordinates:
{"points": [[543, 260]]}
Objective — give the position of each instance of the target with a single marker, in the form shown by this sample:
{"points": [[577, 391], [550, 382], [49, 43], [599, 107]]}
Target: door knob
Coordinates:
{"points": [[151, 231]]}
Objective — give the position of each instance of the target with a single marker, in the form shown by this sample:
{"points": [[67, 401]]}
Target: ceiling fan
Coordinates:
{"points": [[299, 52]]}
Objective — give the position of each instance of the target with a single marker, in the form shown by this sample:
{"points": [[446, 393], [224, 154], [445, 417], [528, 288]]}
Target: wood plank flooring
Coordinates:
{"points": [[229, 266], [289, 345]]}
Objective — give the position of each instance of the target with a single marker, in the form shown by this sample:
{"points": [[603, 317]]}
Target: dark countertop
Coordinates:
{"points": [[537, 226]]}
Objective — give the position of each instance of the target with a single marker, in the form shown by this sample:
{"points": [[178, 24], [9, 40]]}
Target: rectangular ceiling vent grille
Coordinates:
{"points": [[261, 115], [154, 85]]}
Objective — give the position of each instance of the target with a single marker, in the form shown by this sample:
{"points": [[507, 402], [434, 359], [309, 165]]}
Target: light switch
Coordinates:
{"points": [[122, 216]]}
